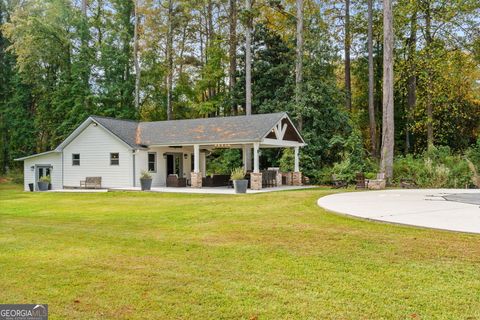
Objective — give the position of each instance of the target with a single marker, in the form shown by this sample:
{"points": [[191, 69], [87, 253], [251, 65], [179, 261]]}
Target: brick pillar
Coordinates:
{"points": [[256, 181], [279, 178], [196, 179], [297, 178]]}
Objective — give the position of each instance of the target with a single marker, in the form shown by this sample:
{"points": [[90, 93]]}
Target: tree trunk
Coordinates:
{"points": [[135, 56], [84, 8], [248, 74], [248, 59], [170, 61], [412, 79], [428, 43], [348, 84], [232, 52], [371, 84], [299, 64], [386, 163]]}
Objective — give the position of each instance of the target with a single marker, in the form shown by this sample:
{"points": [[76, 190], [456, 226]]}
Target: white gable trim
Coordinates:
{"points": [[280, 130], [35, 155], [82, 127]]}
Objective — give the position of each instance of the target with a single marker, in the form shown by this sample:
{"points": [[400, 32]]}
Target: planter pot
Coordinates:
{"points": [[42, 186], [146, 184], [240, 186]]}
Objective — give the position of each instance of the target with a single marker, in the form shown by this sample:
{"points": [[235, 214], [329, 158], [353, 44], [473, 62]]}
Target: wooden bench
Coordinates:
{"points": [[91, 182]]}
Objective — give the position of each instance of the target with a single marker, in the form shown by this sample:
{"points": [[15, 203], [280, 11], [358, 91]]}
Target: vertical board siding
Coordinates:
{"points": [[94, 145]]}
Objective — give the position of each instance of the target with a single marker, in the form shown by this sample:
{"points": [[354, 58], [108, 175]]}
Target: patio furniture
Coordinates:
{"points": [[91, 182], [269, 178], [407, 184], [216, 180], [338, 183], [361, 183], [174, 181]]}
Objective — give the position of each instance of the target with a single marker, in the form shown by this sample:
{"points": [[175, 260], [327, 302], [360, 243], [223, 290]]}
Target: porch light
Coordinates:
{"points": [[32, 168], [165, 156], [185, 156]]}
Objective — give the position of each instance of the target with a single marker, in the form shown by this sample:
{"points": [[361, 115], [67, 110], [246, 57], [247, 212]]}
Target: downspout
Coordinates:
{"points": [[63, 182], [133, 156]]}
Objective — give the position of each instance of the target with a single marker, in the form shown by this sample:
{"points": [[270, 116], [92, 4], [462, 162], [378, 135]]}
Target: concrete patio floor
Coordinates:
{"points": [[216, 190], [417, 207]]}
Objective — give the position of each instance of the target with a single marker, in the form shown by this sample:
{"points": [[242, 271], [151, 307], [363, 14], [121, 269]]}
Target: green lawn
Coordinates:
{"points": [[264, 256]]}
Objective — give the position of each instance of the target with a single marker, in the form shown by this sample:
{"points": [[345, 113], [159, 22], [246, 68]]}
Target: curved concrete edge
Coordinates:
{"points": [[425, 208]]}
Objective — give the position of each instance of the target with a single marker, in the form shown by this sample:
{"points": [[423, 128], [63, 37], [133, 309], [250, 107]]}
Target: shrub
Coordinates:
{"points": [[436, 168], [44, 179], [145, 175], [237, 174]]}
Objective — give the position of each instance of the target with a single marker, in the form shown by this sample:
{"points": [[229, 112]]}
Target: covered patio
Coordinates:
{"points": [[185, 145]]}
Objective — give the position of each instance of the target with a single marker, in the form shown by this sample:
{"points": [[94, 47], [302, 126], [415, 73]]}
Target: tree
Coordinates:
{"points": [[371, 83], [299, 62], [386, 162], [232, 52], [135, 54], [347, 42], [169, 54], [248, 57]]}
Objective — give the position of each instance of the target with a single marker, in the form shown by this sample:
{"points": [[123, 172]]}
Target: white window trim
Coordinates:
{"points": [[118, 159], [155, 162]]}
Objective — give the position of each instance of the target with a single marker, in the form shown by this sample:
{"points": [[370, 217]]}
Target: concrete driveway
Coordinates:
{"points": [[418, 207]]}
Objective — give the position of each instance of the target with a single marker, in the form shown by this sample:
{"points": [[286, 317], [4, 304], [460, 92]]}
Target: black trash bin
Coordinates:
{"points": [[30, 186]]}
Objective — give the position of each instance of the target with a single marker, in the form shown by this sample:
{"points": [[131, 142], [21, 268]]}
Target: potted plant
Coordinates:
{"points": [[239, 182], [146, 181], [43, 183]]}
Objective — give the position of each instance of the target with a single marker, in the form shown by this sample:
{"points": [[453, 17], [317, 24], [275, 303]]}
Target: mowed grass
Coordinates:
{"points": [[266, 256]]}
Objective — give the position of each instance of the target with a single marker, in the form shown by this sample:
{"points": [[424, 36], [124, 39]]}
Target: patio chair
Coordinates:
{"points": [[407, 184], [361, 183], [338, 183], [174, 181]]}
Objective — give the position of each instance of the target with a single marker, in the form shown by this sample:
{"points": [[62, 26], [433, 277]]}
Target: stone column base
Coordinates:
{"points": [[297, 178], [288, 178], [278, 177], [196, 179], [256, 181]]}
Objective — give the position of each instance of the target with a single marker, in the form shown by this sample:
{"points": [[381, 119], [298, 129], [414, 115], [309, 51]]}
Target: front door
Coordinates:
{"points": [[175, 164], [42, 170]]}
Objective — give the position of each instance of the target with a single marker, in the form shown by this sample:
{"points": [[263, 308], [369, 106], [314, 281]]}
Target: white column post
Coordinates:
{"points": [[297, 162], [244, 158], [256, 162], [196, 158]]}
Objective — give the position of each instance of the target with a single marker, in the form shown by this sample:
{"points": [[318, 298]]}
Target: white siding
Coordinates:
{"points": [[94, 145], [53, 159], [159, 178]]}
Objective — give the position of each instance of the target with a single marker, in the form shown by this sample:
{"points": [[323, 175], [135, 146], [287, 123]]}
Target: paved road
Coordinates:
{"points": [[422, 207]]}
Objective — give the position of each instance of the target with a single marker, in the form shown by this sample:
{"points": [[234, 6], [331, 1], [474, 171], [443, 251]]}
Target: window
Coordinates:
{"points": [[152, 161], [75, 159], [114, 159]]}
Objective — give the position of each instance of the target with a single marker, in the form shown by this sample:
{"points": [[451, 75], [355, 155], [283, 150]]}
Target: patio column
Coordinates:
{"points": [[297, 175], [244, 158], [196, 175], [256, 162], [256, 175]]}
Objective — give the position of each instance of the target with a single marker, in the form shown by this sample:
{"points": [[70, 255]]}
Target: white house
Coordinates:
{"points": [[119, 150]]}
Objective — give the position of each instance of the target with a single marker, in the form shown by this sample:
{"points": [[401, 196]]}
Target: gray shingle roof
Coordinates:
{"points": [[126, 130], [205, 130]]}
